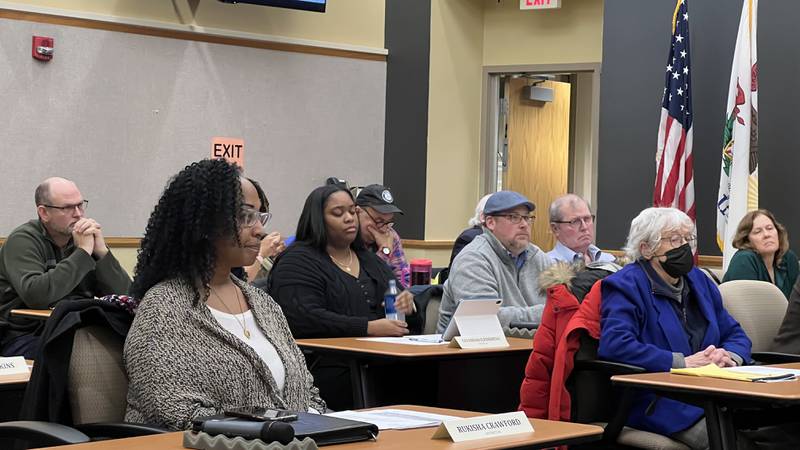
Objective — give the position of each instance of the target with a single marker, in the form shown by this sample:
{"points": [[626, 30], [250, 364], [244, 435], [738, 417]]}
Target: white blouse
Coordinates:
{"points": [[258, 341]]}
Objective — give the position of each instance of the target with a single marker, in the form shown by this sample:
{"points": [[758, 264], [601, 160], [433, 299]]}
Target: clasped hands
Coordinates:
{"points": [[711, 355], [87, 234]]}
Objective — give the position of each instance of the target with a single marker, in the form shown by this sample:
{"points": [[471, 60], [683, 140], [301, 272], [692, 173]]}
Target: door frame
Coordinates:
{"points": [[583, 161]]}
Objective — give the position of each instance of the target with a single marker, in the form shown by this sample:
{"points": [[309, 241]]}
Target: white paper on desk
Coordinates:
{"points": [[394, 419], [422, 339], [765, 371]]}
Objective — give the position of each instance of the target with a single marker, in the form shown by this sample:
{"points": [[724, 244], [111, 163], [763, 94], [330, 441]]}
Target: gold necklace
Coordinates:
{"points": [[243, 323], [349, 261]]}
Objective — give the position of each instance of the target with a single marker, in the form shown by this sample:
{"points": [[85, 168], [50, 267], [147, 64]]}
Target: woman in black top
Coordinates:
{"points": [[329, 285], [327, 282]]}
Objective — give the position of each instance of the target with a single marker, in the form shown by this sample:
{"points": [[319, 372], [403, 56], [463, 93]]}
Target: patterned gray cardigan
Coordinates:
{"points": [[182, 364]]}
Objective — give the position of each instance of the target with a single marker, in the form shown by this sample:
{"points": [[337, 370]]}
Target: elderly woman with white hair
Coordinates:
{"points": [[661, 312]]}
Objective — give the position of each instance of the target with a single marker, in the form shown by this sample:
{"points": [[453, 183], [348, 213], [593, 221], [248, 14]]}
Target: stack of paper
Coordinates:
{"points": [[394, 419], [422, 339], [746, 373]]}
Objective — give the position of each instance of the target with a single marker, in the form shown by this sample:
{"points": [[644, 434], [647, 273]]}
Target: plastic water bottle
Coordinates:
{"points": [[389, 298]]}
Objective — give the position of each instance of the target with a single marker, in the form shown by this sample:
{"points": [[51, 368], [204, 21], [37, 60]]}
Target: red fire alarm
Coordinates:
{"points": [[42, 48]]}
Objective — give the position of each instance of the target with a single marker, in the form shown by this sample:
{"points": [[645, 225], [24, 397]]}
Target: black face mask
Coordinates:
{"points": [[679, 261]]}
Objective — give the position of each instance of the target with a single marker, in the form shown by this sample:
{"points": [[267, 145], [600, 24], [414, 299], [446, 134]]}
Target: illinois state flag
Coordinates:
{"points": [[674, 185], [738, 179]]}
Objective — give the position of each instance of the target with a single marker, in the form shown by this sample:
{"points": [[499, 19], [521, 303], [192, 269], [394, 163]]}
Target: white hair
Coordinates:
{"points": [[477, 219], [650, 225]]}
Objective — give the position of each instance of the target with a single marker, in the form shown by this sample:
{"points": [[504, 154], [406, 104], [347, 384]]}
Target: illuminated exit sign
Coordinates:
{"points": [[539, 4]]}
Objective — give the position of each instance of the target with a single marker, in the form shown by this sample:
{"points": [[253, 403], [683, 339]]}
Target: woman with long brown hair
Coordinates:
{"points": [[764, 252]]}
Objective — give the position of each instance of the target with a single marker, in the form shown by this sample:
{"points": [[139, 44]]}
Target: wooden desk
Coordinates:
{"points": [[42, 314], [475, 379], [348, 346], [720, 398], [546, 434]]}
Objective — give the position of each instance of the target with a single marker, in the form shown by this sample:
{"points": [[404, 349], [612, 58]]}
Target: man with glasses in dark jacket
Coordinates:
{"points": [[60, 255]]}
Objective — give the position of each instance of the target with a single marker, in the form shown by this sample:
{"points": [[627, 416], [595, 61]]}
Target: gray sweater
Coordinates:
{"points": [[484, 269], [182, 364]]}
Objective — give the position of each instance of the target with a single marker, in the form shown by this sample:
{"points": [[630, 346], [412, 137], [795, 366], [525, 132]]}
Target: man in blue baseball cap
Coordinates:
{"points": [[501, 263]]}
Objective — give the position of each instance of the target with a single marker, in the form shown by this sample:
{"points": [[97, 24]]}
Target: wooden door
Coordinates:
{"points": [[538, 151]]}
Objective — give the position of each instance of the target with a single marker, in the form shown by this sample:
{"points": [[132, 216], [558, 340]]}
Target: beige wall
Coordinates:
{"points": [[126, 257], [348, 22], [571, 34], [465, 36], [353, 22], [453, 116]]}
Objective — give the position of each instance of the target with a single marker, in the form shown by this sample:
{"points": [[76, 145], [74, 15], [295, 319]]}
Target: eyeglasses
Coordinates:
{"points": [[379, 224], [676, 240], [248, 217], [81, 206], [576, 222], [517, 218]]}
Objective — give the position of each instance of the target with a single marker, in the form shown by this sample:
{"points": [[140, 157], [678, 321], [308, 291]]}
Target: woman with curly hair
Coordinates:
{"points": [[763, 253], [204, 341]]}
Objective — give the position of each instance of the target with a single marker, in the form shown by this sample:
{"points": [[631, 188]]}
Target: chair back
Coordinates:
{"points": [[596, 400], [714, 274], [98, 384], [591, 392], [432, 315], [427, 298], [758, 306]]}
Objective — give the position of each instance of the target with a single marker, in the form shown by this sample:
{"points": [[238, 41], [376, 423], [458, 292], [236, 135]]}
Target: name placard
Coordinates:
{"points": [[13, 365], [478, 331], [495, 425], [495, 341]]}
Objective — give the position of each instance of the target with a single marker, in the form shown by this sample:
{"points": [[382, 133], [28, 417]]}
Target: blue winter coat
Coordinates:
{"points": [[641, 328]]}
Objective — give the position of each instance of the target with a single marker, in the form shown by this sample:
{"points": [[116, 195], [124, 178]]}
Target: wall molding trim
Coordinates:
{"points": [[416, 244], [419, 244], [114, 242]]}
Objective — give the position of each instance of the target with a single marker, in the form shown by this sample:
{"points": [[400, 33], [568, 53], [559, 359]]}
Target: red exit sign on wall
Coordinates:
{"points": [[539, 4]]}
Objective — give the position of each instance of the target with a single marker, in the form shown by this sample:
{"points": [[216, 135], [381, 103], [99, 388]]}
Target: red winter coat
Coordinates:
{"points": [[543, 393]]}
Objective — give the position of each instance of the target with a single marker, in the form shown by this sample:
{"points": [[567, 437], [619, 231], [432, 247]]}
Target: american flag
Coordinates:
{"points": [[674, 185]]}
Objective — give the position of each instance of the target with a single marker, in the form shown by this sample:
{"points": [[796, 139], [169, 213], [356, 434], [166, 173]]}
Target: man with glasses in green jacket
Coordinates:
{"points": [[500, 264], [60, 255]]}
